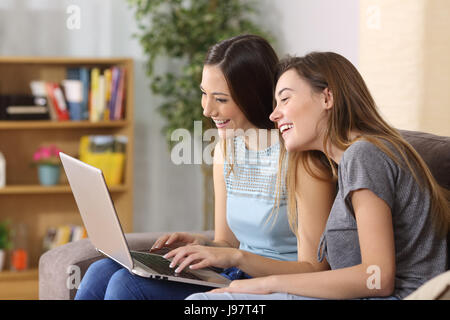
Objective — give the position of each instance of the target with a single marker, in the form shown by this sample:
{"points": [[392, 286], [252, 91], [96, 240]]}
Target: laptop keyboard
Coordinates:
{"points": [[160, 265]]}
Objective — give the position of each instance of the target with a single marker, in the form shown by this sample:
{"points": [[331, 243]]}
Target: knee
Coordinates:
{"points": [[96, 278], [199, 296], [122, 286]]}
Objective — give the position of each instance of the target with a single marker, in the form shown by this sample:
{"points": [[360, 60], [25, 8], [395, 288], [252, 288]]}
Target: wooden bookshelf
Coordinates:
{"points": [[43, 124], [23, 200], [38, 189]]}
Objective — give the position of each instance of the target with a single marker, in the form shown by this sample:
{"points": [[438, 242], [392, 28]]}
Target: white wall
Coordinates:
{"points": [[302, 26], [167, 197]]}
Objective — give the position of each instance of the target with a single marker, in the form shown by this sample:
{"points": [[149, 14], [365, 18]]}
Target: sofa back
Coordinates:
{"points": [[435, 151]]}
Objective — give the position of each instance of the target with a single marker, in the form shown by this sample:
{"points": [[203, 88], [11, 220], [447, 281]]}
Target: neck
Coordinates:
{"points": [[335, 152]]}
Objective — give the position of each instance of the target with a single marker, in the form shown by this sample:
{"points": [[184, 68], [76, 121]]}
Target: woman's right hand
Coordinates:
{"points": [[177, 239]]}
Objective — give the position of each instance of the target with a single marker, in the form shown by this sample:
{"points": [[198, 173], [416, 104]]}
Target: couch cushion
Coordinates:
{"points": [[437, 288], [435, 151]]}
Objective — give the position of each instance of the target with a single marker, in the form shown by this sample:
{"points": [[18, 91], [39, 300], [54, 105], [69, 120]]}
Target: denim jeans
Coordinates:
{"points": [[107, 280], [272, 296]]}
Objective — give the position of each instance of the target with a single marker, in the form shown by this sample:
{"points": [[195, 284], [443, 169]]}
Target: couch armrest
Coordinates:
{"points": [[61, 269]]}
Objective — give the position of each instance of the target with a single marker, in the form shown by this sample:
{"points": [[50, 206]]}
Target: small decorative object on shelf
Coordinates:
{"points": [[19, 255], [2, 170], [49, 165], [5, 241]]}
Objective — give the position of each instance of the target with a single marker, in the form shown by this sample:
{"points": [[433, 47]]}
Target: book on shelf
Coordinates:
{"points": [[103, 92], [57, 236], [92, 94], [57, 101], [74, 97], [23, 107]]}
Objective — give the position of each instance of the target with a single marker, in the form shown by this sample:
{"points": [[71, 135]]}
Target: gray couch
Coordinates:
{"points": [[59, 267]]}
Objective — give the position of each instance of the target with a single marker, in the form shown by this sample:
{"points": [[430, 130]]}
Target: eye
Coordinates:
{"points": [[203, 93], [284, 99], [221, 100]]}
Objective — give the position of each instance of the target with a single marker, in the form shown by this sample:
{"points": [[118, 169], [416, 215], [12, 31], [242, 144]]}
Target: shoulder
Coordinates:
{"points": [[365, 166], [365, 152], [361, 148], [367, 159]]}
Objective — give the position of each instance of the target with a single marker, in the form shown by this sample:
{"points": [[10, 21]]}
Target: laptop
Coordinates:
{"points": [[105, 231]]}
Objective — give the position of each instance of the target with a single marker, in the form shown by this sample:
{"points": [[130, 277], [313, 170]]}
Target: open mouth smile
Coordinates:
{"points": [[221, 123], [285, 127]]}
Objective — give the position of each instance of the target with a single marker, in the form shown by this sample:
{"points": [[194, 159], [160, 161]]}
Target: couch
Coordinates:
{"points": [[61, 269]]}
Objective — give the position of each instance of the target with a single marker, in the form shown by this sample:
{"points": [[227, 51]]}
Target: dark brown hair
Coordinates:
{"points": [[248, 63]]}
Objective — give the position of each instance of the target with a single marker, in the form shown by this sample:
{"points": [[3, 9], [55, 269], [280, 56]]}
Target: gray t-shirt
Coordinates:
{"points": [[419, 253]]}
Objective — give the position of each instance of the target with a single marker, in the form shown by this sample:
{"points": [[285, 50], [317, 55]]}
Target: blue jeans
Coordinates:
{"points": [[107, 280], [272, 296]]}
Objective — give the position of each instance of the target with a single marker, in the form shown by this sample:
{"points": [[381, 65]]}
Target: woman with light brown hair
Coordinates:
{"points": [[386, 232]]}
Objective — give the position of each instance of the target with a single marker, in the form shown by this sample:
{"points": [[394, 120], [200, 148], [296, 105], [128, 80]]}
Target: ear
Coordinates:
{"points": [[328, 100]]}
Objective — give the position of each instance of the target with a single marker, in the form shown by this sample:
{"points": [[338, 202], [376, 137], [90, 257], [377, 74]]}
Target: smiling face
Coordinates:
{"points": [[218, 104], [300, 113]]}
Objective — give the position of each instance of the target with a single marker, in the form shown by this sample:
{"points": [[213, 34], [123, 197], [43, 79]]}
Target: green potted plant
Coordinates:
{"points": [[47, 160], [5, 241], [182, 31]]}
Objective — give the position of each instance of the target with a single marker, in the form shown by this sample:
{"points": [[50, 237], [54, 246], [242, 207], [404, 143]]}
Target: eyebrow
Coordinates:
{"points": [[215, 93], [284, 89]]}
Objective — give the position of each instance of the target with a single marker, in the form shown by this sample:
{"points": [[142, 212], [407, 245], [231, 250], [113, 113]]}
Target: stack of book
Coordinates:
{"points": [[63, 234], [103, 92], [87, 94]]}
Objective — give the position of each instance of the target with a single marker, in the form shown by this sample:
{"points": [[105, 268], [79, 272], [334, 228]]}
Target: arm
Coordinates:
{"points": [[223, 236], [376, 238]]}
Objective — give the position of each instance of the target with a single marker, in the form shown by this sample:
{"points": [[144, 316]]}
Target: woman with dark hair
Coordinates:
{"points": [[386, 232], [252, 235]]}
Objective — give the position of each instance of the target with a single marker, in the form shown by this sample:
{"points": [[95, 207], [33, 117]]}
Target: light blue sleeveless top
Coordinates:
{"points": [[251, 195]]}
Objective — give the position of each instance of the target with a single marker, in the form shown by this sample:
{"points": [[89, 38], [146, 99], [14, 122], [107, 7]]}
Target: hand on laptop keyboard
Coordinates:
{"points": [[178, 239]]}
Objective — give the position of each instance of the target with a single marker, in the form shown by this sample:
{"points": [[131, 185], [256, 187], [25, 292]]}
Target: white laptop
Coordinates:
{"points": [[105, 232]]}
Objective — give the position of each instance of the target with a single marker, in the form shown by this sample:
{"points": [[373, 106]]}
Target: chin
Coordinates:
{"points": [[223, 134], [293, 145], [290, 147]]}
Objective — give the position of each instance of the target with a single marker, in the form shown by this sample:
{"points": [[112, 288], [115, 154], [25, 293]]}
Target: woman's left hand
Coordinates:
{"points": [[253, 286], [198, 256]]}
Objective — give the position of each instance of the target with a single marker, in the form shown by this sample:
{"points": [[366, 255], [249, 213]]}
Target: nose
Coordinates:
{"points": [[208, 109], [275, 116]]}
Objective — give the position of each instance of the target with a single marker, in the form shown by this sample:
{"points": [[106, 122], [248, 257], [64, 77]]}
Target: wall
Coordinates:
{"points": [[167, 197], [323, 25], [405, 60]]}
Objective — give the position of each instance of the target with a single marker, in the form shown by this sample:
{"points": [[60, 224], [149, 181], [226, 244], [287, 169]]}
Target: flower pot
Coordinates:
{"points": [[48, 174]]}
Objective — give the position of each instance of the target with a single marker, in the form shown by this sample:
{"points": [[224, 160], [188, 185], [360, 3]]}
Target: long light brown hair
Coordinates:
{"points": [[355, 110]]}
